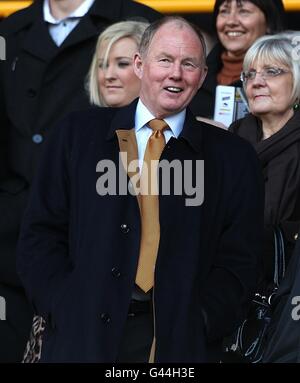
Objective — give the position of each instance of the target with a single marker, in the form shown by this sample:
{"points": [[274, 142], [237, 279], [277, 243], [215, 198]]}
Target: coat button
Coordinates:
{"points": [[31, 92], [105, 318], [296, 236], [37, 138], [116, 272], [124, 228]]}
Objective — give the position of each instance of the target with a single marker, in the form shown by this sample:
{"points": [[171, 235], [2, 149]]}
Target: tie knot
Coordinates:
{"points": [[157, 124]]}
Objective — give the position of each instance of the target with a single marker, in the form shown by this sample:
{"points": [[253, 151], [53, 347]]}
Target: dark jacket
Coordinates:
{"points": [[73, 241], [42, 82], [39, 84], [280, 160], [203, 103]]}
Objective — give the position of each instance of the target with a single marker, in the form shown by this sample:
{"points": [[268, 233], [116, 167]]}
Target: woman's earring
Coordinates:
{"points": [[296, 106]]}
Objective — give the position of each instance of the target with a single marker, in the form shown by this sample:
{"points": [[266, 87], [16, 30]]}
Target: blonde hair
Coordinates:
{"points": [[113, 33]]}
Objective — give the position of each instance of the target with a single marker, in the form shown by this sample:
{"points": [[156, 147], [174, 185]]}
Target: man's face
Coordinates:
{"points": [[172, 70]]}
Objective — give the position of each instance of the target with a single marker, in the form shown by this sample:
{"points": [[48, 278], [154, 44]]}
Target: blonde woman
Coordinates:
{"points": [[111, 80]]}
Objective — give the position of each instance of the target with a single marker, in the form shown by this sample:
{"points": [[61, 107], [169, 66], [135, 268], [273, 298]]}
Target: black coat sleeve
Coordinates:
{"points": [[13, 195]]}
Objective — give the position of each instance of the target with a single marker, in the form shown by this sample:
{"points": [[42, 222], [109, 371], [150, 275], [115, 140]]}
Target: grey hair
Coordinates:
{"points": [[113, 33], [276, 48], [180, 22]]}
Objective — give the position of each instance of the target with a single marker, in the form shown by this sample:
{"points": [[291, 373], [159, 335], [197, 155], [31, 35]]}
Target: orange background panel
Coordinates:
{"points": [[164, 6]]}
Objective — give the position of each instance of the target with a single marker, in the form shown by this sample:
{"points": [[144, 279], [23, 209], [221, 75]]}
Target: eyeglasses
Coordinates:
{"points": [[266, 73]]}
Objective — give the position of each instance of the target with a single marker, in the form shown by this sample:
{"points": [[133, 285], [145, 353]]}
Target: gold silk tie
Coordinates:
{"points": [[149, 206]]}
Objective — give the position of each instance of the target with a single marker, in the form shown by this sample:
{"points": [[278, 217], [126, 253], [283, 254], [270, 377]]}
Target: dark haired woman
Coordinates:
{"points": [[238, 24]]}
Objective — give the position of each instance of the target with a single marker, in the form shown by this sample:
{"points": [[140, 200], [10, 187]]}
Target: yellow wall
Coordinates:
{"points": [[164, 6]]}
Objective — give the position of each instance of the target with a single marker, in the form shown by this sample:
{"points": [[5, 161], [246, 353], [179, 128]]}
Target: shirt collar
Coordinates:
{"points": [[79, 12], [143, 116]]}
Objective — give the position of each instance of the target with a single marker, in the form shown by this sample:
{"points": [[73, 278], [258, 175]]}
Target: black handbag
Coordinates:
{"points": [[247, 343], [283, 338]]}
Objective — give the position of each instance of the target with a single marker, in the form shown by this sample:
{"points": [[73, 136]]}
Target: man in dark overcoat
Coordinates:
{"points": [[82, 243]]}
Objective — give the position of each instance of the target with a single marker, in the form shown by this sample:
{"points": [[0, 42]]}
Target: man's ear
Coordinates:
{"points": [[138, 65], [202, 78]]}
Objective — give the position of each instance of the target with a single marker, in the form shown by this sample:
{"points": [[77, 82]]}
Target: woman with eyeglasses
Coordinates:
{"points": [[271, 80], [238, 23]]}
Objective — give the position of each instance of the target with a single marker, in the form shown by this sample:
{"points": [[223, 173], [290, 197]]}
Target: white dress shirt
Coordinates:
{"points": [[143, 131], [60, 29]]}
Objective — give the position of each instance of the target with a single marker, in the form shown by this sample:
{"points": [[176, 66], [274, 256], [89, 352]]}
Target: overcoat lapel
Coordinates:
{"points": [[129, 155]]}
